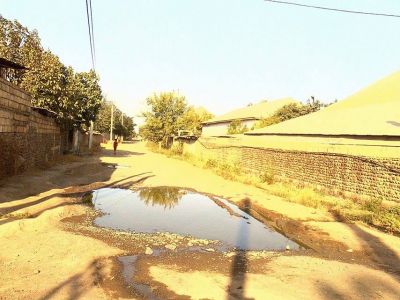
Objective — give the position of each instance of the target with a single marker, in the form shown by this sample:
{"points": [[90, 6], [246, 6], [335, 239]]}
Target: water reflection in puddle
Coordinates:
{"points": [[167, 209]]}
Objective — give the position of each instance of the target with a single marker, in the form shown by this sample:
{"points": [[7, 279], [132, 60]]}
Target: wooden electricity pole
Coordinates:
{"points": [[112, 121], [122, 123], [91, 135]]}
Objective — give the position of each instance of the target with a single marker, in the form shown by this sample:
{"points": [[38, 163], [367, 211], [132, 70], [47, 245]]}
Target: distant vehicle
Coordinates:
{"points": [[137, 138], [185, 133]]}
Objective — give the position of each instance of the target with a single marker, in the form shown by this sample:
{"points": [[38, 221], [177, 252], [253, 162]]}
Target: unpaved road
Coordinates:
{"points": [[50, 250]]}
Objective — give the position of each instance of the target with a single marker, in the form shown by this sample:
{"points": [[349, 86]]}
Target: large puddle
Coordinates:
{"points": [[173, 210]]}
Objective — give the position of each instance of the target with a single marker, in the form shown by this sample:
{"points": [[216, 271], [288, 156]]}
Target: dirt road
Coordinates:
{"points": [[50, 248]]}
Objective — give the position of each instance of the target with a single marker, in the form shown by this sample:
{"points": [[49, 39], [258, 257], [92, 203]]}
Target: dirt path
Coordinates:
{"points": [[42, 257]]}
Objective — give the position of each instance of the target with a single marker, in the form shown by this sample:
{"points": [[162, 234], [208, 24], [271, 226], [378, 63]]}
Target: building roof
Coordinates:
{"points": [[4, 63], [257, 111], [373, 111]]}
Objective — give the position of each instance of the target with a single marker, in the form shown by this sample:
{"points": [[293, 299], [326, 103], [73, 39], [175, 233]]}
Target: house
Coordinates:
{"points": [[372, 113], [248, 116]]}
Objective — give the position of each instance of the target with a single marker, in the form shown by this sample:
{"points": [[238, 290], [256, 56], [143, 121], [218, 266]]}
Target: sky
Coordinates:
{"points": [[220, 54]]}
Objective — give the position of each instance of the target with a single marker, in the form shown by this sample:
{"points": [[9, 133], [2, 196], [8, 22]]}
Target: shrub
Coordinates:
{"points": [[177, 148], [373, 205], [210, 163], [267, 176]]}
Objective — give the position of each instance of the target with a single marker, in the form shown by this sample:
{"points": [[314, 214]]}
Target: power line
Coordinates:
{"points": [[334, 9], [89, 15], [90, 27], [91, 23]]}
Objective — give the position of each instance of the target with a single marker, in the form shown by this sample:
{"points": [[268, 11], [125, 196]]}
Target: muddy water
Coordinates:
{"points": [[128, 263], [166, 209]]}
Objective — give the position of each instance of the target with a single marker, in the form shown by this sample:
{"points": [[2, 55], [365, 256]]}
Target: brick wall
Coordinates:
{"points": [[27, 137], [361, 175]]}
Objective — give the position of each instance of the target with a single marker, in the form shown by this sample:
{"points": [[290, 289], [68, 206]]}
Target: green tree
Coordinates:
{"points": [[193, 118], [103, 121], [123, 125], [74, 97], [290, 111], [236, 127], [161, 121]]}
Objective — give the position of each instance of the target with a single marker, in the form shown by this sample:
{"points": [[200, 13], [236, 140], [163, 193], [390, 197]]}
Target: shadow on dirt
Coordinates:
{"points": [[120, 153], [358, 287], [80, 192], [69, 171], [382, 256], [237, 285], [367, 287], [79, 284]]}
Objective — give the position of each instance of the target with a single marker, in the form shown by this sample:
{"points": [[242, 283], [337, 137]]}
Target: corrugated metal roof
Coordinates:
{"points": [[257, 111], [373, 111]]}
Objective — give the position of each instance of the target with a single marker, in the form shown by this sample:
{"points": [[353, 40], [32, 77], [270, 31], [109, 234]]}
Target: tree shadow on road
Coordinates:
{"points": [[358, 287], [122, 183], [76, 286], [382, 256], [371, 286], [120, 153]]}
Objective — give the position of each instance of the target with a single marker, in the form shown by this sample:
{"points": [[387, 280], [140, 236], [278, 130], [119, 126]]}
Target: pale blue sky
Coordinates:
{"points": [[220, 54]]}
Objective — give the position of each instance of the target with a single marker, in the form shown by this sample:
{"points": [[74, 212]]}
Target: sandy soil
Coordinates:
{"points": [[49, 248]]}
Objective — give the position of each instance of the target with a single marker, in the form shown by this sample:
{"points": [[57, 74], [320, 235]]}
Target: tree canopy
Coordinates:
{"points": [[75, 97], [193, 118], [236, 127], [123, 125], [168, 113], [290, 111]]}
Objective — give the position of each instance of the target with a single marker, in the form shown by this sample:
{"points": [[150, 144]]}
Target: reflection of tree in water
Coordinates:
{"points": [[164, 196]]}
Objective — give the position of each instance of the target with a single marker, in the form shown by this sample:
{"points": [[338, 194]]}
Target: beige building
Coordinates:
{"points": [[248, 116]]}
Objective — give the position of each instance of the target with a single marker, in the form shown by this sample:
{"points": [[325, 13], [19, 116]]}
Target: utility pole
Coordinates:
{"points": [[91, 135], [122, 123], [112, 121]]}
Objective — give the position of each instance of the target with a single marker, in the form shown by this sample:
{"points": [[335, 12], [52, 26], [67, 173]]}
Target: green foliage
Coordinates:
{"points": [[103, 122], [87, 199], [290, 111], [74, 97], [162, 119], [177, 148], [236, 127], [122, 124], [169, 113], [211, 163], [267, 176], [193, 118]]}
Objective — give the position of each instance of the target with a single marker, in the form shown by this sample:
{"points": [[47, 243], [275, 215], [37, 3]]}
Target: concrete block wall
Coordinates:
{"points": [[360, 175], [27, 138]]}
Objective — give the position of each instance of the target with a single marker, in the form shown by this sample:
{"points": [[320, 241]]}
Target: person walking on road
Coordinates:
{"points": [[115, 145]]}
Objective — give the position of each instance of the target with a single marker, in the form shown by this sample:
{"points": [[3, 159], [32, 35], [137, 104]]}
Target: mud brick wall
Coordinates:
{"points": [[27, 137], [366, 176]]}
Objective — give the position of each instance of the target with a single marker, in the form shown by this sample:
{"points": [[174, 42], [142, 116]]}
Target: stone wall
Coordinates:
{"points": [[28, 137], [360, 175]]}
